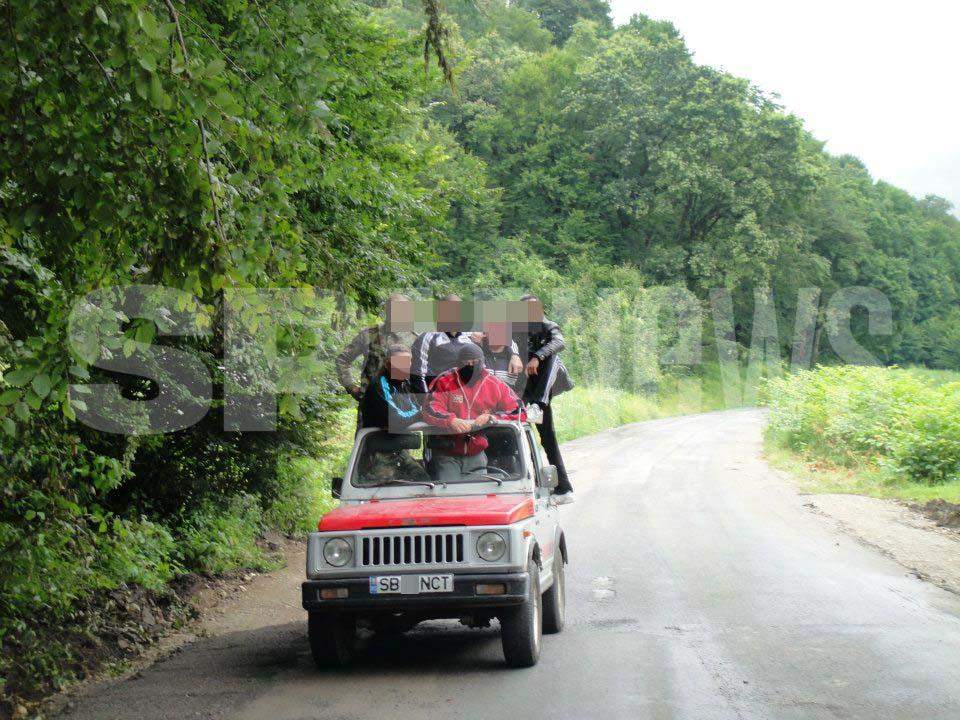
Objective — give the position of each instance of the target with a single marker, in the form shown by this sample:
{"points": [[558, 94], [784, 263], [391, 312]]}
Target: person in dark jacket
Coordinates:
{"points": [[435, 352], [546, 378], [390, 402], [371, 345]]}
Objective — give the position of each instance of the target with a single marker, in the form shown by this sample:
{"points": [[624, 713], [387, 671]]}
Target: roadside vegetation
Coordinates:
{"points": [[590, 409], [227, 145], [884, 432]]}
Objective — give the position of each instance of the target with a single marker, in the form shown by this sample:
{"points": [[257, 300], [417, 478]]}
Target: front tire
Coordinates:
{"points": [[522, 626], [554, 599], [332, 639]]}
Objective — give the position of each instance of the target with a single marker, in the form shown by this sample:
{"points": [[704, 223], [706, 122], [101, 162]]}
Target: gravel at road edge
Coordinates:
{"points": [[898, 531]]}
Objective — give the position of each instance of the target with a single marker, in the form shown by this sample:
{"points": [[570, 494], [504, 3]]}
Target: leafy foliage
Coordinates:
{"points": [[895, 418], [221, 146], [210, 147], [615, 148], [559, 16], [216, 539]]}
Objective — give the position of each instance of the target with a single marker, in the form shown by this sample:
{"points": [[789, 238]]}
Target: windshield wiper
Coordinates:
{"points": [[488, 478], [398, 481]]}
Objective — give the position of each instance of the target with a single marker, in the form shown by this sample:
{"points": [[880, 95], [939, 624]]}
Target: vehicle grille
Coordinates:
{"points": [[420, 549]]}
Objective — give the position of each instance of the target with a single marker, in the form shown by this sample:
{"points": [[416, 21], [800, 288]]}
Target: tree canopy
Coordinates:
{"points": [[615, 146], [560, 16]]}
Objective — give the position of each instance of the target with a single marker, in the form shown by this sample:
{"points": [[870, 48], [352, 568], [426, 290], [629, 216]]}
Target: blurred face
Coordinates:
{"points": [[497, 334], [534, 311], [448, 315], [399, 315], [400, 366]]}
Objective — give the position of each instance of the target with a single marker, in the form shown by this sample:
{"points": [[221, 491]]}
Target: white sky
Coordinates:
{"points": [[879, 80]]}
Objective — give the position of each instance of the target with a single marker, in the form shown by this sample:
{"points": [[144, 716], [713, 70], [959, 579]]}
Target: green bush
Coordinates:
{"points": [[844, 412], [218, 537], [300, 493], [304, 496], [52, 569], [927, 446], [134, 158], [903, 421]]}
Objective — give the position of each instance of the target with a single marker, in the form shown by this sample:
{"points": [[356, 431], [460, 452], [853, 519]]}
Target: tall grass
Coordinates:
{"points": [[589, 409], [935, 377], [898, 430]]}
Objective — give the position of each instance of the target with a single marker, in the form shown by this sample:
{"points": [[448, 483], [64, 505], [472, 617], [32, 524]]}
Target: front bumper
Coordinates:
{"points": [[464, 594]]}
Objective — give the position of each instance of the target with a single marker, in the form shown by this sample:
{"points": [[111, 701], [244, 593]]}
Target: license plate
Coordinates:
{"points": [[410, 584]]}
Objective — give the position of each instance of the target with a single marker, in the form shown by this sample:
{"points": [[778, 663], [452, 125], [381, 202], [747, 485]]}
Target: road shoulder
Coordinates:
{"points": [[248, 601], [895, 529]]}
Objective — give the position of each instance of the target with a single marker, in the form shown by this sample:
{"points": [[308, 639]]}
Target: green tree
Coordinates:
{"points": [[211, 147], [559, 16]]}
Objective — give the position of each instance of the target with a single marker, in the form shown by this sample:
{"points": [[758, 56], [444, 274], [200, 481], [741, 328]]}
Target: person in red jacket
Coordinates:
{"points": [[462, 401]]}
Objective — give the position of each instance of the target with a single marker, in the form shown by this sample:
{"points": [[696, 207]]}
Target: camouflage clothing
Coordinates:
{"points": [[371, 344], [384, 467]]}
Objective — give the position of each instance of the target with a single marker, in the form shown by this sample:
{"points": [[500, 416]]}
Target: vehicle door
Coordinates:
{"points": [[546, 526]]}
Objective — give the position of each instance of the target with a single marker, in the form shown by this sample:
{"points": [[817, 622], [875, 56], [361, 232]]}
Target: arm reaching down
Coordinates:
{"points": [[358, 347], [420, 365]]}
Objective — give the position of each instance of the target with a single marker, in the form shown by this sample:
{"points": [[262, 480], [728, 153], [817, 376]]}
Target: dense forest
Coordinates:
{"points": [[482, 147], [611, 149]]}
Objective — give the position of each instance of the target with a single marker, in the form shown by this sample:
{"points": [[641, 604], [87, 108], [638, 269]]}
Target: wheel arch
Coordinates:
{"points": [[535, 555]]}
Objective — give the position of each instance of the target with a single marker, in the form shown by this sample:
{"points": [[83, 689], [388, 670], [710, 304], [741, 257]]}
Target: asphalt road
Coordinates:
{"points": [[699, 588]]}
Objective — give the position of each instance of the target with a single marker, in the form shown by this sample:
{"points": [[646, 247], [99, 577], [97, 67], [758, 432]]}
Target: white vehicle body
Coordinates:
{"points": [[404, 537]]}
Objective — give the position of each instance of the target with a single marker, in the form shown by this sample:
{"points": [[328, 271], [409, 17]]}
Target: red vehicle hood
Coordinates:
{"points": [[427, 512]]}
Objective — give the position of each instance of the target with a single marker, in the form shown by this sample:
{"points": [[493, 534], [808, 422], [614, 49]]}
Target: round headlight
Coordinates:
{"points": [[337, 552], [491, 546]]}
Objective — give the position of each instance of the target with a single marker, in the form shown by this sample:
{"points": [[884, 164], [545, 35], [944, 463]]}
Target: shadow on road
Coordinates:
{"points": [[215, 674], [443, 647]]}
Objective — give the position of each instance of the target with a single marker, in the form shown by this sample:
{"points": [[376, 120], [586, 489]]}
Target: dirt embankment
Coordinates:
{"points": [[130, 628], [943, 513]]}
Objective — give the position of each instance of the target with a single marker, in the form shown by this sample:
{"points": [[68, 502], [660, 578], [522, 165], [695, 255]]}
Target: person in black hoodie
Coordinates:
{"points": [[546, 378], [389, 401]]}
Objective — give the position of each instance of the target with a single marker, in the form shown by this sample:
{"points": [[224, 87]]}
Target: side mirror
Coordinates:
{"points": [[547, 477], [336, 485]]}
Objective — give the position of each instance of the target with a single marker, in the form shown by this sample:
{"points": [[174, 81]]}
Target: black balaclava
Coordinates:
{"points": [[468, 353]]}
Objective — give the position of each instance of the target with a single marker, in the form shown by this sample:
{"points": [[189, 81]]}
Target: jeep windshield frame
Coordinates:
{"points": [[430, 461]]}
